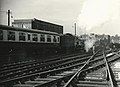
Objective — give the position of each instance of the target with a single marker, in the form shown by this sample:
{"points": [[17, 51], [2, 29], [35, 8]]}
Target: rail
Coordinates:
{"points": [[20, 64], [67, 61], [109, 71], [12, 72], [59, 75], [79, 70], [59, 72]]}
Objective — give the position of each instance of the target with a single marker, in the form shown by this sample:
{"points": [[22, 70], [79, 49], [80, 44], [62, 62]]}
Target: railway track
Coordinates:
{"points": [[97, 80], [47, 67], [57, 69], [26, 69], [58, 77], [23, 69], [48, 74], [24, 63]]}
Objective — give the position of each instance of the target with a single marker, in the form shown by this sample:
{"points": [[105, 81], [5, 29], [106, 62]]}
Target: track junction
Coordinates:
{"points": [[70, 71]]}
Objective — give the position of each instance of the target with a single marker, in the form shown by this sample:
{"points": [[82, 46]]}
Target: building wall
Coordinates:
{"points": [[38, 24], [22, 23], [42, 25]]}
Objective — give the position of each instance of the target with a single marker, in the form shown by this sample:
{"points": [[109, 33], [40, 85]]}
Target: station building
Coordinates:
{"points": [[38, 24]]}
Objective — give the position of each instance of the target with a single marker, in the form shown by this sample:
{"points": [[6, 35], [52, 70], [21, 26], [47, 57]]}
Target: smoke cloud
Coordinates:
{"points": [[96, 12], [89, 44]]}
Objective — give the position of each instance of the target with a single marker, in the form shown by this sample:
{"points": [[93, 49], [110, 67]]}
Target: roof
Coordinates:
{"points": [[68, 34], [26, 30], [34, 19], [23, 20], [46, 22]]}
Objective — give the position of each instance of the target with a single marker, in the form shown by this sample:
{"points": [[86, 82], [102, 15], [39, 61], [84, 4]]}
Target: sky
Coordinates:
{"points": [[97, 16]]}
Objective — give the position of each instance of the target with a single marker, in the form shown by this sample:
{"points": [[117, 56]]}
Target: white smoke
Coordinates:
{"points": [[89, 44], [96, 12]]}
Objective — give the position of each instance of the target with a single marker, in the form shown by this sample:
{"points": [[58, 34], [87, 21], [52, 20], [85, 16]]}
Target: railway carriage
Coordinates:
{"points": [[67, 43], [12, 34], [20, 42]]}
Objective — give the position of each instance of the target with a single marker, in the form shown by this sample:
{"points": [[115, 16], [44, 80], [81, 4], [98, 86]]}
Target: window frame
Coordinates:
{"points": [[42, 37], [49, 38], [34, 37], [10, 36], [54, 39], [22, 36]]}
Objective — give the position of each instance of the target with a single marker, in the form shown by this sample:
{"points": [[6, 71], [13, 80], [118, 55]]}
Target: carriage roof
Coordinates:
{"points": [[4, 27]]}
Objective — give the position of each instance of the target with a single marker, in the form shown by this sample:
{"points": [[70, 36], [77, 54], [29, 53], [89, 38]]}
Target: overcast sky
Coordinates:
{"points": [[99, 16]]}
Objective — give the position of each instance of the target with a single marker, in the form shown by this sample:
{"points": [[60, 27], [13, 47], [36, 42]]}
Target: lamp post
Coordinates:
{"points": [[75, 33], [75, 28], [8, 17]]}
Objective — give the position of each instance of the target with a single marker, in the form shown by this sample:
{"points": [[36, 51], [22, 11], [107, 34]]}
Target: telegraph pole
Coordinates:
{"points": [[75, 34], [75, 28], [9, 17]]}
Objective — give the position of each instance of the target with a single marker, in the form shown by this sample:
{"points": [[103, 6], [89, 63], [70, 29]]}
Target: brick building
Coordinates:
{"points": [[38, 24]]}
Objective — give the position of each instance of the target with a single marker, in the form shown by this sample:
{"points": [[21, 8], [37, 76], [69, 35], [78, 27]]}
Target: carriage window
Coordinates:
{"points": [[54, 39], [48, 38], [58, 39], [34, 37], [1, 35], [11, 35], [42, 38], [22, 36], [28, 36]]}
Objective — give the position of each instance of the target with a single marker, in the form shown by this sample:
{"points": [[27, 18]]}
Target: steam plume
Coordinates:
{"points": [[89, 44], [96, 12]]}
